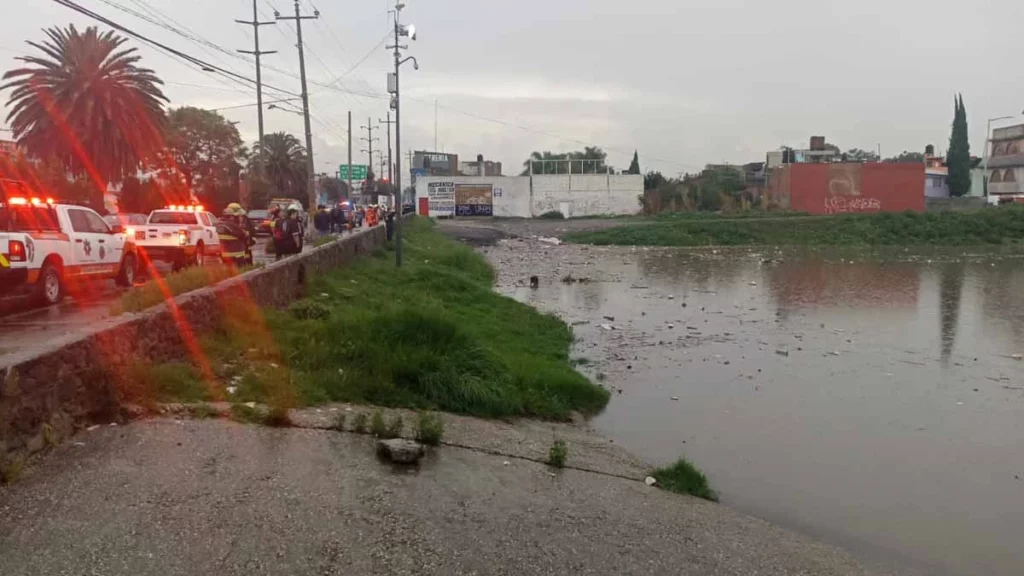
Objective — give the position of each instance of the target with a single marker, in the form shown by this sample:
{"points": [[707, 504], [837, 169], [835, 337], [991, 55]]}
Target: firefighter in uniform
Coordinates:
{"points": [[236, 235]]}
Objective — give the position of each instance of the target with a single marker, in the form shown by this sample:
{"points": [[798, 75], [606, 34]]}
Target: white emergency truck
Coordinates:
{"points": [[48, 248], [180, 235]]}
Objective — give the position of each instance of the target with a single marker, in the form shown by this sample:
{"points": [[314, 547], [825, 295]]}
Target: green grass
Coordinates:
{"points": [[155, 292], [432, 335], [558, 453], [981, 227], [168, 382], [684, 478], [317, 242], [429, 428]]}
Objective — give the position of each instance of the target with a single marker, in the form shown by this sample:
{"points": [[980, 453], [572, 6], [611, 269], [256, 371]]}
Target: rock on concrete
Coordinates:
{"points": [[400, 450]]}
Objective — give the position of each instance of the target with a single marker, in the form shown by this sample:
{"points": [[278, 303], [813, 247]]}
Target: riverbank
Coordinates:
{"points": [[993, 226], [177, 497], [778, 370], [430, 335]]}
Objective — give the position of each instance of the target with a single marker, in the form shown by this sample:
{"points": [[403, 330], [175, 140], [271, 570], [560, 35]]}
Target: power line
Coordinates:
{"points": [[206, 66]]}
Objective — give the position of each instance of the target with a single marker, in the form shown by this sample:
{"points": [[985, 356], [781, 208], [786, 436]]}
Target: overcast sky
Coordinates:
{"points": [[685, 82]]}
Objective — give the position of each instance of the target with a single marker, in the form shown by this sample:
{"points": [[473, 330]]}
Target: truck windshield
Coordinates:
{"points": [[28, 219], [172, 218]]}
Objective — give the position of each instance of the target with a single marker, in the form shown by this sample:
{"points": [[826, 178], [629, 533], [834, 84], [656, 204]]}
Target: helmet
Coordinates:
{"points": [[235, 209]]}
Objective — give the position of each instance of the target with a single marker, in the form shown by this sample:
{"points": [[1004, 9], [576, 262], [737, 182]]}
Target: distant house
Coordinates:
{"points": [[936, 176], [1006, 164]]}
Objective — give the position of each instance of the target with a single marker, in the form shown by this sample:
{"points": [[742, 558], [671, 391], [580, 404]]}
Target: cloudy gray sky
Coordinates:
{"points": [[685, 82]]}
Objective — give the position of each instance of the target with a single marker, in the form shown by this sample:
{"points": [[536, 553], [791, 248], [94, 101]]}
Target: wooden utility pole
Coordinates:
{"points": [[261, 158], [305, 104]]}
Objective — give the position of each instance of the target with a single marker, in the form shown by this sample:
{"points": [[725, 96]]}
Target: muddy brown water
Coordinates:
{"points": [[871, 399]]}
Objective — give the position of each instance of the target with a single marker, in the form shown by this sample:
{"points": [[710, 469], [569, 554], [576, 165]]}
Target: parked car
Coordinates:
{"points": [[46, 247], [260, 220], [181, 235]]}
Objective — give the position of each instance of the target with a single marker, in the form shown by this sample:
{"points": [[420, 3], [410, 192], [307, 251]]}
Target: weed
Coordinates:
{"points": [[12, 470], [557, 454], [684, 478], [309, 310], [394, 429], [152, 293], [429, 428], [359, 423], [339, 422], [247, 414], [172, 381], [552, 215], [581, 361], [48, 438], [377, 426]]}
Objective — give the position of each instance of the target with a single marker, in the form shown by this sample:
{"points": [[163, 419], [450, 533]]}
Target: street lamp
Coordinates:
{"points": [[276, 107], [410, 33], [988, 132]]}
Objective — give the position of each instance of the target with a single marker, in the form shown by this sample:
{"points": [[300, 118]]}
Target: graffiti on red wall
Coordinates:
{"points": [[839, 205]]}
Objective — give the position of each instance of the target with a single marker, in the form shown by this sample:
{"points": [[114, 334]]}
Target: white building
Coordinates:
{"points": [[573, 195]]}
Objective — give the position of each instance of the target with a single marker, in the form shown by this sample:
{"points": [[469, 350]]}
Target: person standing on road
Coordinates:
{"points": [[291, 231], [277, 231], [322, 221]]}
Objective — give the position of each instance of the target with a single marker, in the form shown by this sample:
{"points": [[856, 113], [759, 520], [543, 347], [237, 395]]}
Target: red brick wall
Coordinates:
{"points": [[839, 188]]}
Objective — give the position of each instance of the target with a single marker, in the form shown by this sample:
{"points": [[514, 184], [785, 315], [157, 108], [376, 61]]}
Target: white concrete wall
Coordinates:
{"points": [[587, 194], [574, 195]]}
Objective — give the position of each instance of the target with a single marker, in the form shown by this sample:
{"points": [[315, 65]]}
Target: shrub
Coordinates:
{"points": [[557, 454], [552, 215], [429, 429], [394, 429], [684, 478], [339, 422]]}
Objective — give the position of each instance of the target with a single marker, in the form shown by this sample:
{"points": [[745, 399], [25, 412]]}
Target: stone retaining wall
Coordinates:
{"points": [[84, 379]]}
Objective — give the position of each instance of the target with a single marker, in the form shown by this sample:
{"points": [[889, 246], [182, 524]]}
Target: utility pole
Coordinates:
{"points": [[350, 193], [261, 159], [305, 104], [369, 146], [388, 122], [396, 104]]}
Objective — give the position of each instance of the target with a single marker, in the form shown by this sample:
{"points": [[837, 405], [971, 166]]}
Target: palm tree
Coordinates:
{"points": [[88, 104], [285, 163]]}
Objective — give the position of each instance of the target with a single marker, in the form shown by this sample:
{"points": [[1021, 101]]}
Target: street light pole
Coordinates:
{"points": [[410, 32]]}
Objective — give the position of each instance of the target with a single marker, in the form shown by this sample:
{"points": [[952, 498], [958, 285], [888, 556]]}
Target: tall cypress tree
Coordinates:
{"points": [[634, 166], [958, 158]]}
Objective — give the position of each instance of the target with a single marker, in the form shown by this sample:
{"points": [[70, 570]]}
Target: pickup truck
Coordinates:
{"points": [[47, 248], [180, 235]]}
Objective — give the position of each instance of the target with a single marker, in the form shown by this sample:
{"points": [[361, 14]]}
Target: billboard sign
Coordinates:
{"points": [[474, 200], [441, 198]]}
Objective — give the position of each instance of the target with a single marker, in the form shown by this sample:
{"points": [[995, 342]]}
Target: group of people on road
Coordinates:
{"points": [[345, 217]]}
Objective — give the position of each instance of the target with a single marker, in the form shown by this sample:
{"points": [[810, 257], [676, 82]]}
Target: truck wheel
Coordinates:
{"points": [[126, 277], [49, 287], [199, 259]]}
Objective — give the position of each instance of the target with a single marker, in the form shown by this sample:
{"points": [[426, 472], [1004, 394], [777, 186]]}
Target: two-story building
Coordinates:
{"points": [[1006, 165]]}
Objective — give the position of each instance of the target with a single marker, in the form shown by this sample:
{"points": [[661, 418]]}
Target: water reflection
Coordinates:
{"points": [[870, 399]]}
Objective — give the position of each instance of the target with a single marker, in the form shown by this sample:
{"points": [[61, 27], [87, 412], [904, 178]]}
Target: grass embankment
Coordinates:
{"points": [[990, 226], [684, 478], [168, 286], [431, 335]]}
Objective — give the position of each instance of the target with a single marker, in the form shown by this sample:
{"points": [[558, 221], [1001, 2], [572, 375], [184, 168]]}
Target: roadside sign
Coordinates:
{"points": [[358, 171]]}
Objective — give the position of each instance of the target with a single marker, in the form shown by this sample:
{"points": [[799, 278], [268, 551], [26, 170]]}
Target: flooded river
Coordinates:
{"points": [[873, 400]]}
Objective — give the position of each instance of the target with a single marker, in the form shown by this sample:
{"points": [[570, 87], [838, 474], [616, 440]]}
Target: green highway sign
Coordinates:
{"points": [[358, 171]]}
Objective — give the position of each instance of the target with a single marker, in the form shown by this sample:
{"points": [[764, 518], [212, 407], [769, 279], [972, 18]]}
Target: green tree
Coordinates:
{"points": [[907, 158], [958, 158], [206, 150], [258, 193], [634, 166], [335, 189], [88, 104], [592, 160], [653, 180], [858, 155], [285, 166]]}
